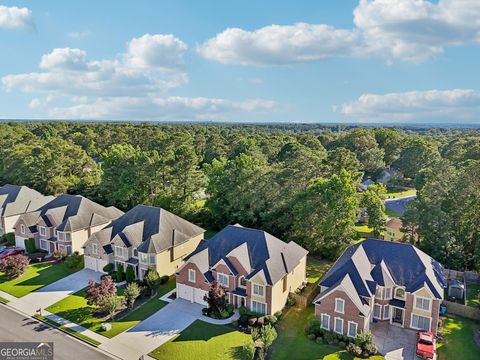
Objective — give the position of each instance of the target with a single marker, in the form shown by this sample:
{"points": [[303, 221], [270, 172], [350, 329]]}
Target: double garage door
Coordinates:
{"points": [[191, 294], [94, 264]]}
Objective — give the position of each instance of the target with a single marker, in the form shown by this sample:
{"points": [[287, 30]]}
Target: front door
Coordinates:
{"points": [[397, 317]]}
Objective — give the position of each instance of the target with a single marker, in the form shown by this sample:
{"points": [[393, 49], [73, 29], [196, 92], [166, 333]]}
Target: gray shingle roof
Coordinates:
{"points": [[265, 252], [150, 229], [71, 213], [17, 200], [373, 262]]}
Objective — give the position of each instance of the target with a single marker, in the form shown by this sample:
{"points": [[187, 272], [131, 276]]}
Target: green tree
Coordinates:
{"points": [[131, 293], [419, 153], [324, 215], [373, 200]]}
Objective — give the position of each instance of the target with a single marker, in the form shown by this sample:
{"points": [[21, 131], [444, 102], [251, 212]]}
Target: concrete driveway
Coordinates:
{"points": [[394, 342], [50, 294], [154, 331]]}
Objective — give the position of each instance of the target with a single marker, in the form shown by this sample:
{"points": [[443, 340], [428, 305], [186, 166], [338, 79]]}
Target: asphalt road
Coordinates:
{"points": [[15, 327]]}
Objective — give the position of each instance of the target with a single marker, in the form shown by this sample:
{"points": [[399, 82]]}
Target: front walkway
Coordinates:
{"points": [[50, 294], [394, 342], [158, 329]]}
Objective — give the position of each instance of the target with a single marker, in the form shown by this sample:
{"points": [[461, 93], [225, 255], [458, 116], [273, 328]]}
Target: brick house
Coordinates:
{"points": [[143, 237], [63, 224], [258, 270], [378, 280]]}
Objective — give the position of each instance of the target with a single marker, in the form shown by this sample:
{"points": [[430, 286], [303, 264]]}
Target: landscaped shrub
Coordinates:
{"points": [[109, 269], [14, 266], [152, 279], [342, 344], [291, 301], [9, 239], [120, 274], [30, 246], [74, 261], [278, 315], [164, 279], [59, 255], [235, 323], [366, 341], [131, 293], [329, 337], [311, 337], [97, 293], [206, 311], [243, 320], [313, 327], [354, 349], [242, 310], [270, 319], [248, 350], [130, 274], [319, 340]]}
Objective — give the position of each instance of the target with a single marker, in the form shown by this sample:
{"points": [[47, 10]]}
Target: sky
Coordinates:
{"points": [[322, 61]]}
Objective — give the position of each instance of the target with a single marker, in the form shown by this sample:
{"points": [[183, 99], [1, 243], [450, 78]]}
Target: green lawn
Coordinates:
{"points": [[69, 330], [391, 213], [316, 269], [202, 340], [3, 300], [36, 276], [458, 340], [396, 193], [473, 293], [292, 342], [76, 309]]}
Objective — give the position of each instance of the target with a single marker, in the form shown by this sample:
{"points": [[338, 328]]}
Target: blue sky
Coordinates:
{"points": [[403, 61]]}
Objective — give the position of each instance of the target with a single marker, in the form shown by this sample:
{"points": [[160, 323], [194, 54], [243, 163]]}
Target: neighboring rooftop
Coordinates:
{"points": [[71, 213], [377, 262], [148, 228], [394, 223], [256, 250], [17, 200]]}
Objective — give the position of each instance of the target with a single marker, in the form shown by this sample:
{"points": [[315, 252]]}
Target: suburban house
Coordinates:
{"points": [[393, 230], [15, 201], [258, 270], [63, 224], [366, 183], [143, 237], [377, 280]]}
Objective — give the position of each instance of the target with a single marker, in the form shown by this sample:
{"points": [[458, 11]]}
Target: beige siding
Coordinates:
{"points": [[9, 223]]}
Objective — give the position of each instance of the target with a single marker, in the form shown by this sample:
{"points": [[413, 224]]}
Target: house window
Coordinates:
{"points": [[42, 230], [62, 236], [285, 282], [243, 281], [143, 258], [338, 327], [400, 293], [378, 292], [352, 329], [222, 279], [259, 307], [22, 229], [191, 275], [325, 324], [420, 322], [94, 249], [152, 259], [377, 311], [118, 251], [44, 244], [422, 303], [339, 305], [257, 290], [388, 293], [386, 312]]}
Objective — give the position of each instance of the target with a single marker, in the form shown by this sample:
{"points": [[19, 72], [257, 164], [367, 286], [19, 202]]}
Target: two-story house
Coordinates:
{"points": [[15, 201], [258, 270], [64, 224], [377, 280], [143, 237]]}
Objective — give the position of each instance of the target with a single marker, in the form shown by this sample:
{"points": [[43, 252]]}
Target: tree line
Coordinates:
{"points": [[298, 182]]}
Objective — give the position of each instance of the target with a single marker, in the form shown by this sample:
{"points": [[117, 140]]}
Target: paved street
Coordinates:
{"points": [[15, 327], [399, 205]]}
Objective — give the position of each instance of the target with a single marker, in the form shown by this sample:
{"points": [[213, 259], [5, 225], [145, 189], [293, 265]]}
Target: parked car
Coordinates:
{"points": [[11, 252], [425, 344]]}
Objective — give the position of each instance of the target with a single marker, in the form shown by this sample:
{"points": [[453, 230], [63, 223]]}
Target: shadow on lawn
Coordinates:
{"points": [[46, 274], [196, 332], [77, 316]]}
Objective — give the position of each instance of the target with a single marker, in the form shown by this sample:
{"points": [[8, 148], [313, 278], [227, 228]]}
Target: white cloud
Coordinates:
{"points": [[133, 86], [276, 44], [447, 106], [16, 18], [79, 34], [405, 30], [161, 108]]}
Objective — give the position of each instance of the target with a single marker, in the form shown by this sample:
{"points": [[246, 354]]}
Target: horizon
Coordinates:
{"points": [[359, 62]]}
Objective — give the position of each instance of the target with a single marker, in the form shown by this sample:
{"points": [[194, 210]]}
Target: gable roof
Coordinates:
{"points": [[256, 250], [17, 200], [377, 262], [150, 229], [71, 213], [394, 223]]}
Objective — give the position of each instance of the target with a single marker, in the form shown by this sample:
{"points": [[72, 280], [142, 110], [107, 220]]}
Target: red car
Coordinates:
{"points": [[11, 252], [426, 344]]}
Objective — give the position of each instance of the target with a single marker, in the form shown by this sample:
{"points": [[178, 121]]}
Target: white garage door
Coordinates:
{"points": [[94, 264], [20, 242], [191, 294]]}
